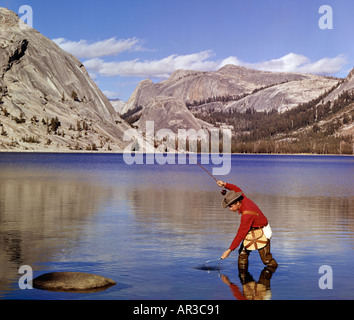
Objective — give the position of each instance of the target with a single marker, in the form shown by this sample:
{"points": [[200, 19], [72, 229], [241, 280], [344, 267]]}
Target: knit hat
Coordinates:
{"points": [[230, 198]]}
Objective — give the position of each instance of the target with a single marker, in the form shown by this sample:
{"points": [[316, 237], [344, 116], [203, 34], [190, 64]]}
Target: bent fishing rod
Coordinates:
{"points": [[201, 167], [216, 180]]}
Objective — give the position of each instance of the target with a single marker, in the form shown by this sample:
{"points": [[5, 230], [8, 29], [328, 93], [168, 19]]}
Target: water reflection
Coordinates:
{"points": [[293, 218], [149, 226], [42, 215], [251, 289], [308, 231]]}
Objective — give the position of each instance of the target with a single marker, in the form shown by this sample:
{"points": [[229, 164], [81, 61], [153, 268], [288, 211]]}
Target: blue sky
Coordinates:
{"points": [[125, 41]]}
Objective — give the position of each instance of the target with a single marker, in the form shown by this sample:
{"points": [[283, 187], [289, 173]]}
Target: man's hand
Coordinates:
{"points": [[221, 184], [226, 279], [226, 254]]}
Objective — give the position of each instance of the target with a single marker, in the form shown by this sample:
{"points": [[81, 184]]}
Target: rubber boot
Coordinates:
{"points": [[243, 258], [267, 257]]}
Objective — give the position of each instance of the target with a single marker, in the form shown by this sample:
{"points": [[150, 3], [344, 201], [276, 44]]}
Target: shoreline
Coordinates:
{"points": [[122, 152]]}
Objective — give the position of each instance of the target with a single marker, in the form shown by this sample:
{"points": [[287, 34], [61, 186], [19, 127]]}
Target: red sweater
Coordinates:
{"points": [[248, 221]]}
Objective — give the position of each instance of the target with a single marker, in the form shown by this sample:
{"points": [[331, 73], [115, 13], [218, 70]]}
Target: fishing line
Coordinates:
{"points": [[205, 267], [211, 261]]}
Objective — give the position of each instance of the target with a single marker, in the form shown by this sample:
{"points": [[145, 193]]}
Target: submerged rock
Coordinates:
{"points": [[72, 282]]}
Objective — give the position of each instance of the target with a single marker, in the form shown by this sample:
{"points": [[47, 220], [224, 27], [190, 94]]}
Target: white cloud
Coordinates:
{"points": [[287, 63], [298, 63], [202, 61], [326, 66], [230, 60], [162, 68], [104, 48], [111, 94]]}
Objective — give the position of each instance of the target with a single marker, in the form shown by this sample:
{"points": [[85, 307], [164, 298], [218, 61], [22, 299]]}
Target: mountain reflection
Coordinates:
{"points": [[149, 226], [41, 213], [186, 210]]}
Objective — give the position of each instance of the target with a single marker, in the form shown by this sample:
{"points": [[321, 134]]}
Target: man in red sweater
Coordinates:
{"points": [[251, 217]]}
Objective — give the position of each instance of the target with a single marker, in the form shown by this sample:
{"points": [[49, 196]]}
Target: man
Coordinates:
{"points": [[251, 217]]}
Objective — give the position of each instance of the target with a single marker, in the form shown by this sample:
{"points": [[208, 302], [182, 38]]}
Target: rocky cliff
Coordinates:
{"points": [[230, 88], [48, 101], [346, 84], [169, 113]]}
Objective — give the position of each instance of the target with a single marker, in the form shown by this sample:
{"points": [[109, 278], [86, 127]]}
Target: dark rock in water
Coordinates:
{"points": [[72, 282]]}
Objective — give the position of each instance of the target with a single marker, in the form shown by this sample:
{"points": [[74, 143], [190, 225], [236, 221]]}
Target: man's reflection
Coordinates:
{"points": [[251, 290]]}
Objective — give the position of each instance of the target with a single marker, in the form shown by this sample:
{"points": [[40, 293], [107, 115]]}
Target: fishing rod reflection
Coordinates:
{"points": [[251, 289]]}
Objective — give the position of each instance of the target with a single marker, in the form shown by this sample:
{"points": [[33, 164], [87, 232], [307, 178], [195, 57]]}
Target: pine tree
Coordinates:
{"points": [[74, 96]]}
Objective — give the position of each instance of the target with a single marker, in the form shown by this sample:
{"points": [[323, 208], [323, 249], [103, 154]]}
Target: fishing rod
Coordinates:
{"points": [[222, 192], [201, 167]]}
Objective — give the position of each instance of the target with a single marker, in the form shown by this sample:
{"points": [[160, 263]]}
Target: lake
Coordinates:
{"points": [[151, 228]]}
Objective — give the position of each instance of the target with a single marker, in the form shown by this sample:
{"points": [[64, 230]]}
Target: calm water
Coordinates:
{"points": [[150, 227]]}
